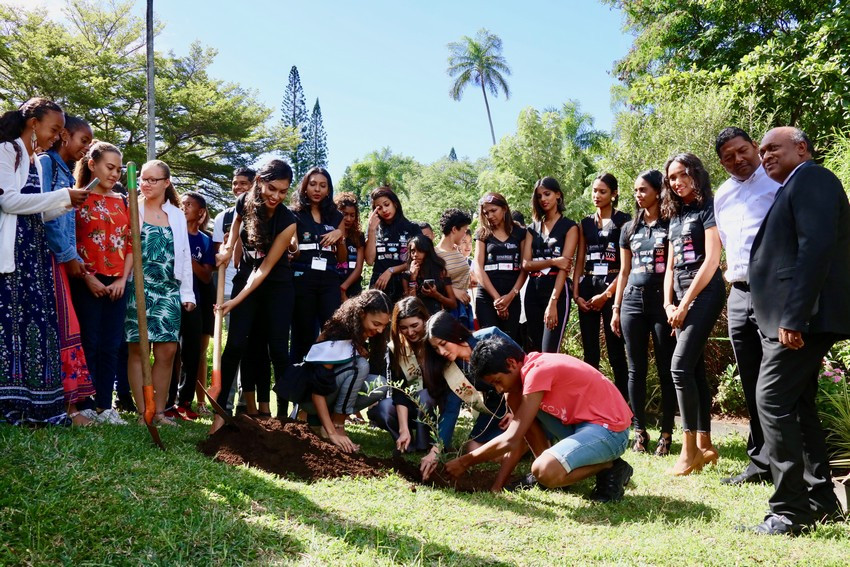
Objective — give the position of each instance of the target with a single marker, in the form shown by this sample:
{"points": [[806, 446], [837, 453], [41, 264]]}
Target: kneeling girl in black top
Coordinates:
{"points": [[551, 248], [595, 279], [320, 250], [265, 227], [639, 308], [694, 295], [499, 254], [386, 243]]}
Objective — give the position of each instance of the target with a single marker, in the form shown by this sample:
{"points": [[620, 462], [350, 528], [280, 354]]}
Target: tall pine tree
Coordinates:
{"points": [[316, 139], [453, 154], [293, 112]]}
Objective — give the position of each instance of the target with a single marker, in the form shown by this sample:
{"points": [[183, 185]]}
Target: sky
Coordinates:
{"points": [[378, 67]]}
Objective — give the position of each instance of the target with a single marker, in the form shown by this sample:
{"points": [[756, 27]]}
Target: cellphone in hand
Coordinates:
{"points": [[429, 283], [94, 183]]}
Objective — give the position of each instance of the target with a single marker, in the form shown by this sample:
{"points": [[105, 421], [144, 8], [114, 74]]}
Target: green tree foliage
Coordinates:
{"points": [[680, 35], [293, 111], [478, 61], [646, 139], [93, 64], [316, 142], [793, 56], [378, 168], [837, 158], [557, 143], [442, 185]]}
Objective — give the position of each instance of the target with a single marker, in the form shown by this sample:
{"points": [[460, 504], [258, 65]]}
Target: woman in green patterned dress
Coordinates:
{"points": [[167, 267]]}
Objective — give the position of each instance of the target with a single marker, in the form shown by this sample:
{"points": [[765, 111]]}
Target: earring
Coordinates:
{"points": [[33, 140]]}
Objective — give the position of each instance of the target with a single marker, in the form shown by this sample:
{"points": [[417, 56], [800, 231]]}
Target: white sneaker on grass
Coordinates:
{"points": [[111, 417], [89, 413]]}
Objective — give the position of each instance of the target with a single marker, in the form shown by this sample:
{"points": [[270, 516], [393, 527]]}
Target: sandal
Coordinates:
{"points": [[162, 419], [87, 423], [641, 441], [662, 449]]}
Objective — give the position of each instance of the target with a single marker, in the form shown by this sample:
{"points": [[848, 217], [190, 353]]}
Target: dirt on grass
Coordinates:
{"points": [[290, 448]]}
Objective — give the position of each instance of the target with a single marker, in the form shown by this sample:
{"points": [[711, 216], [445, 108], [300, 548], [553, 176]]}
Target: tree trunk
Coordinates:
{"points": [[489, 118]]}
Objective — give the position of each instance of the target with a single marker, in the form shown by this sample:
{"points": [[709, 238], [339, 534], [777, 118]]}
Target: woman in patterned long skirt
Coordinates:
{"points": [[167, 267], [30, 370]]}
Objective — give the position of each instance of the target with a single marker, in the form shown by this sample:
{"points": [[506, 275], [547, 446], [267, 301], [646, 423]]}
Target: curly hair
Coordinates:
{"points": [[453, 218], [346, 324], [671, 203], [404, 309], [343, 201], [253, 218]]}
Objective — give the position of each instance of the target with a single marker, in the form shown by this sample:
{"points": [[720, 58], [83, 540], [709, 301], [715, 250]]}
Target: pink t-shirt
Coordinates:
{"points": [[574, 391]]}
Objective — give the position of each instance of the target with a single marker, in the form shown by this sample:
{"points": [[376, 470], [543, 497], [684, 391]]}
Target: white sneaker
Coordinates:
{"points": [[89, 413], [111, 417]]}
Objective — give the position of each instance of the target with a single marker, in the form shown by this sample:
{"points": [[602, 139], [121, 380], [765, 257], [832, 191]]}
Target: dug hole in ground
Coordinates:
{"points": [[287, 447]]}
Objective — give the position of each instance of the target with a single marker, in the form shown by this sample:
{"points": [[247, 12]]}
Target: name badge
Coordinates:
{"points": [[506, 266], [600, 269], [303, 247], [352, 265], [490, 267], [319, 263], [595, 255]]}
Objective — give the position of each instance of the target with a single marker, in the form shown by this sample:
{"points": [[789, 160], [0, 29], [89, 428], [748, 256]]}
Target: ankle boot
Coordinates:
{"points": [[709, 451], [690, 459]]}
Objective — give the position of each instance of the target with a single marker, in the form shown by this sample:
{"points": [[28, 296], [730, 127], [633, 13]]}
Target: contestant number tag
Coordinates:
{"points": [[600, 269], [320, 264]]}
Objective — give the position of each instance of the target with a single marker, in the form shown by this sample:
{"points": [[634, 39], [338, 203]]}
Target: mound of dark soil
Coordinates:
{"points": [[290, 448]]}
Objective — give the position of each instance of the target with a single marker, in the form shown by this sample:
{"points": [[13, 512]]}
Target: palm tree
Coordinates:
{"points": [[479, 61]]}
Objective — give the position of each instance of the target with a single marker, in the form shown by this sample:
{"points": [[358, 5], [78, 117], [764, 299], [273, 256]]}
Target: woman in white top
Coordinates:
{"points": [[30, 370], [167, 266]]}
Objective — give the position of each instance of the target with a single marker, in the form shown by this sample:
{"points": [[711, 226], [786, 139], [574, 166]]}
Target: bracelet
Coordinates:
{"points": [[391, 270], [516, 291], [666, 305], [615, 307]]}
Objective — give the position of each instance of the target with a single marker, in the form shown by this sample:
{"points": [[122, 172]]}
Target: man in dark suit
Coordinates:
{"points": [[799, 276]]}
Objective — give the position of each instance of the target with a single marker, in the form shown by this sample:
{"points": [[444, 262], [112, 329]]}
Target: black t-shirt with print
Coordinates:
{"points": [[253, 257], [687, 235], [391, 250], [602, 252], [549, 246], [503, 260], [352, 245], [312, 257], [648, 245]]}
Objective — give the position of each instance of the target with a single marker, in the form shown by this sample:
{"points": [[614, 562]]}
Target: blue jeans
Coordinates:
{"points": [[582, 444], [101, 331]]}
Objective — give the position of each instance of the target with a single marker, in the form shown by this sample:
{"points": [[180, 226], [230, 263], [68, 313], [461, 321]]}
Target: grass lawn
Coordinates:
{"points": [[104, 495]]}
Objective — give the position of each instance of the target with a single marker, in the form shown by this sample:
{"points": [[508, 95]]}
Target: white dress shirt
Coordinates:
{"points": [[740, 208]]}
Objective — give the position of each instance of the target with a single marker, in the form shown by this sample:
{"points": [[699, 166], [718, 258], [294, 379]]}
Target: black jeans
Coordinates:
{"points": [[793, 436], [641, 316], [191, 325], [537, 294], [487, 315], [688, 363], [268, 310], [101, 332], [746, 342], [589, 323], [317, 296]]}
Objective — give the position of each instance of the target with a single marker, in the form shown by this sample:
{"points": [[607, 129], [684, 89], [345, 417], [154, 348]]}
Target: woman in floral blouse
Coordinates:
{"points": [[103, 242]]}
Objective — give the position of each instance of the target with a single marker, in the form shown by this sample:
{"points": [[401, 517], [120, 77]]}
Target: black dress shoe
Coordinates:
{"points": [[776, 524], [746, 477]]}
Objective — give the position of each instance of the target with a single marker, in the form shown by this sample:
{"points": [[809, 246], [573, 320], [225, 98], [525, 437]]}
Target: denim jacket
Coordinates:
{"points": [[61, 231]]}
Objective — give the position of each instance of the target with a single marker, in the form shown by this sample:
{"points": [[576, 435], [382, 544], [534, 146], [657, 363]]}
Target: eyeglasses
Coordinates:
{"points": [[151, 180]]}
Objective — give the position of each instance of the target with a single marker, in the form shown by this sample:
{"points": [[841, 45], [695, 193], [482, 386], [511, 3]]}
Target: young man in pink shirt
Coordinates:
{"points": [[557, 397]]}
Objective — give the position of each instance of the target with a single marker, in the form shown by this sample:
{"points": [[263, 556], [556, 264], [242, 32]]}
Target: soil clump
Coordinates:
{"points": [[290, 448]]}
